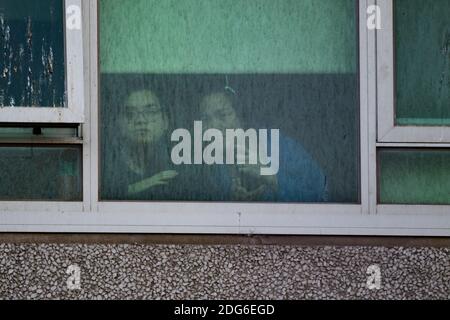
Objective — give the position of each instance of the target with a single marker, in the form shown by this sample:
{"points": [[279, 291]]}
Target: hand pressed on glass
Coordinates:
{"points": [[248, 184], [159, 179]]}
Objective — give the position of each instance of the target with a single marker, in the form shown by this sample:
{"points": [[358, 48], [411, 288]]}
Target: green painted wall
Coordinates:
{"points": [[228, 36], [415, 177]]}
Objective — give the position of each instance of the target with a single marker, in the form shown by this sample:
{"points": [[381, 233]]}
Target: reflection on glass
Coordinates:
{"points": [[40, 173], [414, 176], [32, 70], [422, 30], [229, 119]]}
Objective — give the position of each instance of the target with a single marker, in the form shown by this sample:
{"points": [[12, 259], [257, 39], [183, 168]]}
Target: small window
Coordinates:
{"points": [[414, 176], [41, 61], [189, 86], [413, 53], [422, 71], [40, 172]]}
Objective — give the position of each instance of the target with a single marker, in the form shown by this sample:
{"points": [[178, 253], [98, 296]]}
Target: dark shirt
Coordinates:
{"points": [[117, 175], [300, 179]]}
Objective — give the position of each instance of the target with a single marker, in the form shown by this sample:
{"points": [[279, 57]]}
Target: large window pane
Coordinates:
{"points": [[199, 65], [422, 33], [40, 173], [32, 53], [414, 176]]}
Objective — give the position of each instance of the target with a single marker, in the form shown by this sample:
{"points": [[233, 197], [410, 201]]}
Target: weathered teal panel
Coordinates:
{"points": [[32, 69]]}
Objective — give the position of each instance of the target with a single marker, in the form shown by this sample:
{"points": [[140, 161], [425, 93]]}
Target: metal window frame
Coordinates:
{"points": [[388, 135], [94, 216], [388, 131], [74, 112], [211, 215]]}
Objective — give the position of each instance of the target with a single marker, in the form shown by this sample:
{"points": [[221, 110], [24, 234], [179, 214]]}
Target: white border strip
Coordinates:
{"points": [[226, 223]]}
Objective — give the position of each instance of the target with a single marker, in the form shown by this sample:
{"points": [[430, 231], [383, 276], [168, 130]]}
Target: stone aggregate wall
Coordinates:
{"points": [[126, 271]]}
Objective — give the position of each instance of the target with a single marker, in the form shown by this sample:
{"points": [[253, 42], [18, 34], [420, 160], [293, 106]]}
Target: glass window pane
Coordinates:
{"points": [[40, 173], [422, 33], [175, 75], [32, 53], [414, 176]]}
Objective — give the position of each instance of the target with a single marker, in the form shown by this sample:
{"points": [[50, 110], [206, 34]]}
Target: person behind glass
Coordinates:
{"points": [[299, 179], [145, 169]]}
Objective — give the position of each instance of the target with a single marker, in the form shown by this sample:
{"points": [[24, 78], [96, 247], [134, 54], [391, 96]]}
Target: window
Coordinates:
{"points": [[414, 71], [423, 76], [414, 176], [185, 84], [41, 61], [41, 102], [414, 103], [38, 172]]}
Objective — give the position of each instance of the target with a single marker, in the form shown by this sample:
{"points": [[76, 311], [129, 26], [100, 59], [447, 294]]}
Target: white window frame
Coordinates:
{"points": [[92, 215], [74, 86], [388, 131], [391, 136]]}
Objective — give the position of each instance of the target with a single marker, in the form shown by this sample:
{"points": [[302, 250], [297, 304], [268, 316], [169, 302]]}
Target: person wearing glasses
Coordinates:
{"points": [[139, 162]]}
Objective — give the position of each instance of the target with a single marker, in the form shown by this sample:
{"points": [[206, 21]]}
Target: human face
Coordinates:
{"points": [[218, 112], [143, 120]]}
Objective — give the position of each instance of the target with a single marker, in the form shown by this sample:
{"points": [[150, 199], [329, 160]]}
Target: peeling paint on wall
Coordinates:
{"points": [[32, 71]]}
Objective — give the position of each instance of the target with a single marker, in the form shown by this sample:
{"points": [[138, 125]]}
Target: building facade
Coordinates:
{"points": [[225, 117]]}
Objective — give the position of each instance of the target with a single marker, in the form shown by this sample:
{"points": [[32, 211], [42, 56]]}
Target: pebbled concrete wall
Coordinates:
{"points": [[147, 271]]}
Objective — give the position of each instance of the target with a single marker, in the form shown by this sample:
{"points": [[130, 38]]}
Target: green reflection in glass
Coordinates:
{"points": [[422, 31], [414, 176], [227, 36], [40, 173]]}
